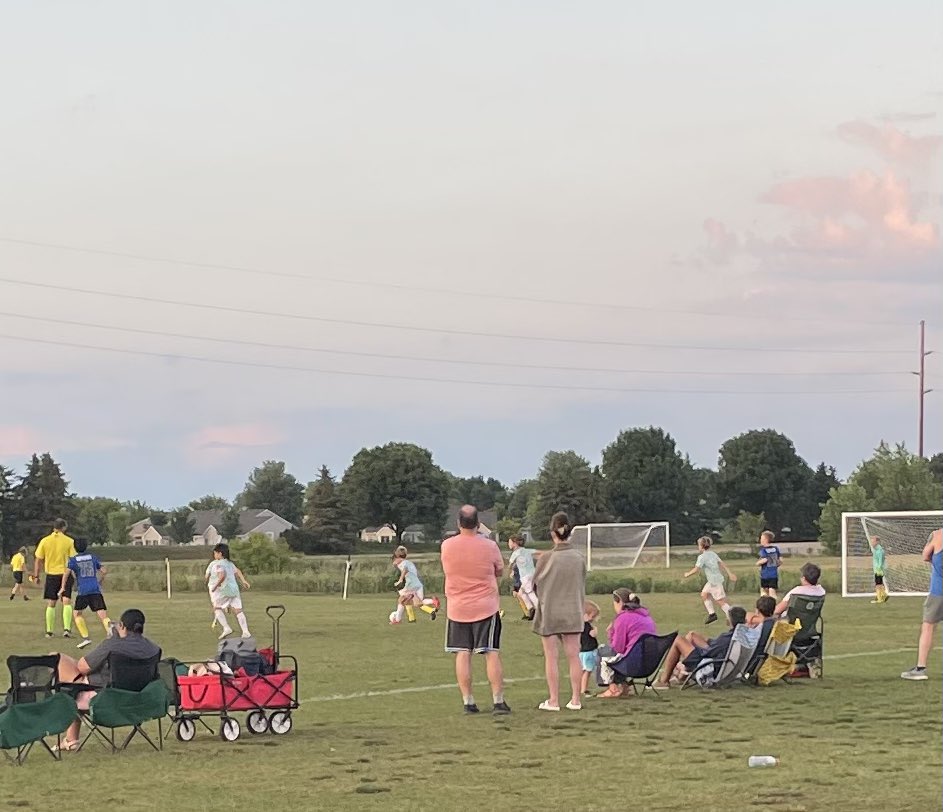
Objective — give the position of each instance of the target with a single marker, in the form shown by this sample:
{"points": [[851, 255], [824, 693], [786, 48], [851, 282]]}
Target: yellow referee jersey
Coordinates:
{"points": [[55, 550], [18, 562]]}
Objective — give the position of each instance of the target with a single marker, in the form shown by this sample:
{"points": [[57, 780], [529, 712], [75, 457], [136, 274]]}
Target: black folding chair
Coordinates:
{"points": [[759, 656], [642, 662], [809, 642]]}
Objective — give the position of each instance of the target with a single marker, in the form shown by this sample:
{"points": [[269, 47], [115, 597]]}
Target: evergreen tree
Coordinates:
{"points": [[324, 517], [7, 512], [42, 496], [181, 526], [229, 523]]}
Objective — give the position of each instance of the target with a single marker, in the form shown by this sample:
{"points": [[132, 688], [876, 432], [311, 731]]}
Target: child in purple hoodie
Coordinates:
{"points": [[630, 623]]}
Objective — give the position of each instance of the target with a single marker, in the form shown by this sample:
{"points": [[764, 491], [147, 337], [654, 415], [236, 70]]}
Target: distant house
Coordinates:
{"points": [[145, 534], [379, 535], [206, 524], [416, 533]]}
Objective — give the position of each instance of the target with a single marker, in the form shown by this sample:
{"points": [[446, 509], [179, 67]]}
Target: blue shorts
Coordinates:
{"points": [[589, 660]]}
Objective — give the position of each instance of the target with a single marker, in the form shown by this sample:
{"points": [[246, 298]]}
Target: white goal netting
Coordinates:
{"points": [[903, 535], [616, 546]]}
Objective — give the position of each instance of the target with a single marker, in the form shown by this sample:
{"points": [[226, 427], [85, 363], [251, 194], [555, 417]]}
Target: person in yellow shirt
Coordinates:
{"points": [[18, 566], [54, 552]]}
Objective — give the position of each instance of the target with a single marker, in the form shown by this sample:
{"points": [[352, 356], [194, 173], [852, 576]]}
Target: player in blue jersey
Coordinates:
{"points": [[89, 574], [769, 564]]}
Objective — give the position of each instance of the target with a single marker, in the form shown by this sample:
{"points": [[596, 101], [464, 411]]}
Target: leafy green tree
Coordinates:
{"points": [[229, 523], [891, 479], [159, 518], [760, 472], [270, 486], [745, 529], [258, 554], [565, 482], [396, 484], [936, 467], [325, 517], [7, 512], [92, 520], [119, 521], [42, 496], [809, 505], [209, 502], [647, 479], [478, 491], [519, 499], [508, 527], [137, 510], [181, 526]]}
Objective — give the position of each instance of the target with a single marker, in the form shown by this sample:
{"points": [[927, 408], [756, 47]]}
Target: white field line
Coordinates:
{"points": [[420, 689]]}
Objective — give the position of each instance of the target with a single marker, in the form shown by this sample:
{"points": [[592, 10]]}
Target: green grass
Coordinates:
{"points": [[857, 739]]}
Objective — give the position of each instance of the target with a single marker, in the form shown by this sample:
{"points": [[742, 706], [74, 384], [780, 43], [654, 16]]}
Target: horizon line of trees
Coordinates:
{"points": [[760, 483]]}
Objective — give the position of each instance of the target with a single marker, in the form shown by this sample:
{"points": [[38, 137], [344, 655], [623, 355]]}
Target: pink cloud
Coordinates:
{"points": [[722, 244], [20, 441], [216, 444], [891, 143]]}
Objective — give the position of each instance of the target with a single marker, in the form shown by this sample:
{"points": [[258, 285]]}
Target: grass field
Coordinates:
{"points": [[381, 724]]}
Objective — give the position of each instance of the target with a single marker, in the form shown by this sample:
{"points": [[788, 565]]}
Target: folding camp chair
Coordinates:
{"points": [[808, 644], [134, 695], [643, 661], [760, 655], [725, 671], [34, 708]]}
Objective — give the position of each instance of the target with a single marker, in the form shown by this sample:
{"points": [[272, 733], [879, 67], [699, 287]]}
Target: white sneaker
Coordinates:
{"points": [[246, 634], [915, 674], [225, 633], [84, 643]]}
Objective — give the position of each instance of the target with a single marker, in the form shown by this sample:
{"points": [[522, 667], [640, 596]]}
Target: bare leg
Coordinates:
{"points": [[584, 686], [495, 675], [571, 647], [463, 673], [550, 670], [69, 669], [680, 649], [926, 643], [696, 639]]}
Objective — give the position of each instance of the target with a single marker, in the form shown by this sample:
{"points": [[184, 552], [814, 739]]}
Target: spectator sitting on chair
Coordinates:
{"points": [[765, 606], [688, 651], [630, 623], [92, 669], [809, 586]]}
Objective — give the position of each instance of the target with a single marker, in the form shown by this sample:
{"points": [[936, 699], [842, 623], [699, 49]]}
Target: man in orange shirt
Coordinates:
{"points": [[472, 565]]}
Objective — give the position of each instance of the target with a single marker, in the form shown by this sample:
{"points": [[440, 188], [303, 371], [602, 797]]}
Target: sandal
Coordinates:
{"points": [[546, 706], [65, 746]]}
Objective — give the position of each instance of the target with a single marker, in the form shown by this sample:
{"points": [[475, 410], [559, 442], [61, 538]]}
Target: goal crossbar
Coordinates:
{"points": [[646, 529]]}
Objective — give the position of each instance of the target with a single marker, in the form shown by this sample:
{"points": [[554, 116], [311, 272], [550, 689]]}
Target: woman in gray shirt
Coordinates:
{"points": [[560, 581]]}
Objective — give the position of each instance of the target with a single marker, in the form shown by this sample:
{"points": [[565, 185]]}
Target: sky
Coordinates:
{"points": [[235, 231]]}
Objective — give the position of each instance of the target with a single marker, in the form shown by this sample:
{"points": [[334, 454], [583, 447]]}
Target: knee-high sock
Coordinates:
{"points": [[67, 617], [400, 610], [80, 625], [410, 613], [243, 623], [106, 622], [50, 619], [221, 618], [709, 606], [520, 600]]}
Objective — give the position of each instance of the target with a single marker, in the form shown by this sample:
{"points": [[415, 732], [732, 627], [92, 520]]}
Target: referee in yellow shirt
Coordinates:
{"points": [[18, 567], [54, 552]]}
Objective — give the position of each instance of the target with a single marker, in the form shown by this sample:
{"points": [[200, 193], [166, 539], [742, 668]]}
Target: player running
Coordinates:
{"points": [[54, 552], [769, 564], [412, 594], [89, 575], [18, 567], [877, 564], [710, 564], [523, 559], [223, 579]]}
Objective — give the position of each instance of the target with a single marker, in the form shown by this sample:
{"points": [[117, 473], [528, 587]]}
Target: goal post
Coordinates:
{"points": [[903, 535], [621, 545]]}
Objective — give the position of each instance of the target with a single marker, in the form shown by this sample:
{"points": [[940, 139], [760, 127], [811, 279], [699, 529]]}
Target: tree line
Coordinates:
{"points": [[760, 482]]}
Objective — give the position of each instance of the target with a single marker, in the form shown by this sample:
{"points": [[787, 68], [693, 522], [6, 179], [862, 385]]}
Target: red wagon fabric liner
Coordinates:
{"points": [[214, 692]]}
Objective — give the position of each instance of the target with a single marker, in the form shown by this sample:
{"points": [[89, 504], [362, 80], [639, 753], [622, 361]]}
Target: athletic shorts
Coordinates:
{"points": [[716, 591], [878, 580], [589, 660], [219, 602], [95, 602], [18, 577], [480, 636], [933, 609], [418, 594], [769, 583], [54, 584]]}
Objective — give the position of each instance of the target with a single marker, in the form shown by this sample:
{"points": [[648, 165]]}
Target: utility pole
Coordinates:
{"points": [[922, 391]]}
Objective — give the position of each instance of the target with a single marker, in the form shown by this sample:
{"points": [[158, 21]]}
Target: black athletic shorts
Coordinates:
{"points": [[18, 577], [94, 602], [480, 636], [53, 585], [769, 583], [879, 580]]}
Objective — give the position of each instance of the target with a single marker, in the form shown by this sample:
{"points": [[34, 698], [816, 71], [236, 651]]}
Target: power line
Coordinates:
{"points": [[435, 330], [429, 359], [451, 381], [397, 286]]}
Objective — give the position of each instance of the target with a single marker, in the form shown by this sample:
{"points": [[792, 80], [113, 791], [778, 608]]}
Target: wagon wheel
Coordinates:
{"points": [[256, 722], [186, 730], [280, 723], [229, 729]]}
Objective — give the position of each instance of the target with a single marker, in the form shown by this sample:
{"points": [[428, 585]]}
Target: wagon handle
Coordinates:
{"points": [[275, 612]]}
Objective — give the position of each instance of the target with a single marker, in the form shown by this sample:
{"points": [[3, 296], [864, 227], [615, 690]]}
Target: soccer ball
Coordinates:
{"points": [[392, 617]]}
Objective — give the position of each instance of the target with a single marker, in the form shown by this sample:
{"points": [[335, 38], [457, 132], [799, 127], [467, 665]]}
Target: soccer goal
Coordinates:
{"points": [[903, 534], [614, 546]]}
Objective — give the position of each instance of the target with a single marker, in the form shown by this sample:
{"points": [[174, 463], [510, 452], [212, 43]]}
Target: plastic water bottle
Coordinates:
{"points": [[763, 761]]}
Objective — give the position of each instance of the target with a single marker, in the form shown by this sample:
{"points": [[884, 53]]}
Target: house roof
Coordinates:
{"points": [[249, 519], [487, 517]]}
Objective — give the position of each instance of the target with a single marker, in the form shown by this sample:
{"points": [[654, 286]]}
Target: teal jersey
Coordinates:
{"points": [[877, 560]]}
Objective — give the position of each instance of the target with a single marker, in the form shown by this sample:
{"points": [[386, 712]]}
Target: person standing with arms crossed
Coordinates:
{"points": [[472, 565], [932, 608], [54, 552]]}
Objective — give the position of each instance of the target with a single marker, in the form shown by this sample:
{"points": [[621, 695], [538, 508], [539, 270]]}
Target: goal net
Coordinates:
{"points": [[616, 546], [903, 535]]}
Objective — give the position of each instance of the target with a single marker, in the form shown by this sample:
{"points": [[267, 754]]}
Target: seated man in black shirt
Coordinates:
{"points": [[92, 669], [689, 650]]}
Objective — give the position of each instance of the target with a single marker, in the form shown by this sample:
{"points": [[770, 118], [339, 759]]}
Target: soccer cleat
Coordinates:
{"points": [[711, 618], [434, 614], [12, 597], [915, 674], [469, 709], [48, 634], [84, 643], [410, 620], [526, 617], [225, 633], [531, 613], [25, 598], [395, 622], [877, 600], [67, 633], [501, 709]]}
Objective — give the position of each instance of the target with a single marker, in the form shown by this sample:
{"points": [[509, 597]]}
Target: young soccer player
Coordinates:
{"points": [[589, 644], [877, 564], [18, 567], [768, 564], [89, 574], [223, 579], [710, 564], [412, 594], [53, 553], [523, 559]]}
